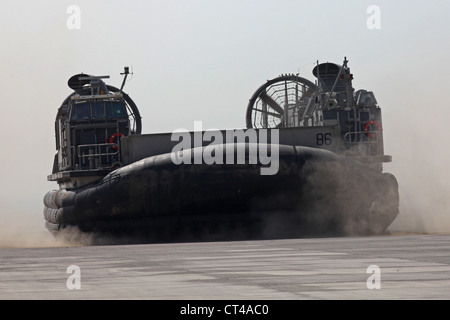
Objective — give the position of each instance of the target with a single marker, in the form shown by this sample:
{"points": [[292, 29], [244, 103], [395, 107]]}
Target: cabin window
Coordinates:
{"points": [[98, 110], [80, 111], [116, 110]]}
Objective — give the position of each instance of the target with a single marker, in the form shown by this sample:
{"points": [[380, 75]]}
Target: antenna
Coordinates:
{"points": [[126, 73]]}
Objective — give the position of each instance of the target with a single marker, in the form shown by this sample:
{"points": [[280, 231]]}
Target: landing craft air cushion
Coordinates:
{"points": [[318, 169]]}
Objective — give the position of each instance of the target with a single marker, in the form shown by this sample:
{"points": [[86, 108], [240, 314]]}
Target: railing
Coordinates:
{"points": [[94, 153], [365, 143]]}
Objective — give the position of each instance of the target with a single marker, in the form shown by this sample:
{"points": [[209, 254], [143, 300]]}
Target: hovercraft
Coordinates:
{"points": [[308, 163]]}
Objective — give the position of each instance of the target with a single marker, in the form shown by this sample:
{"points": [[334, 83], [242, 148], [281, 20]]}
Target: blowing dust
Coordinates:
{"points": [[418, 141], [424, 191], [16, 231], [26, 230]]}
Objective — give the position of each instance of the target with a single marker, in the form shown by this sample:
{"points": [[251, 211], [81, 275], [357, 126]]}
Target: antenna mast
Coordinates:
{"points": [[126, 73]]}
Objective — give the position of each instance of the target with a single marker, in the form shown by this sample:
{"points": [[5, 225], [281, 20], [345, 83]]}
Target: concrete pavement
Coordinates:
{"points": [[402, 266]]}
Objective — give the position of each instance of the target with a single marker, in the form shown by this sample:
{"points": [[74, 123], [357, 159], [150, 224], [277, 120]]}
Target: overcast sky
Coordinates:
{"points": [[203, 59]]}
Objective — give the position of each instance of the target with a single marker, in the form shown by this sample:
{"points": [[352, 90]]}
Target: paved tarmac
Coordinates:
{"points": [[384, 267]]}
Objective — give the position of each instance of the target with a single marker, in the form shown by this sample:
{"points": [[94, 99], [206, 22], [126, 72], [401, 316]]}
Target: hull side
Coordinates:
{"points": [[314, 193]]}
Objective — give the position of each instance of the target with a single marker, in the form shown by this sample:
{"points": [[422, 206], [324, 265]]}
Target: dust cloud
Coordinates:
{"points": [[424, 196], [25, 230], [417, 137], [16, 231]]}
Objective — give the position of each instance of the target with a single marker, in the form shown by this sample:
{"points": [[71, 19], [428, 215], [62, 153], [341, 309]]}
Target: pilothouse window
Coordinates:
{"points": [[116, 110], [98, 110], [80, 111]]}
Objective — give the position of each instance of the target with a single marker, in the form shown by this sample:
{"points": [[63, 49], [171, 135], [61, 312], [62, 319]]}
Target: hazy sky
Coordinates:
{"points": [[203, 59]]}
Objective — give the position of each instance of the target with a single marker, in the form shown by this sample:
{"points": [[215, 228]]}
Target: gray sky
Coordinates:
{"points": [[203, 59]]}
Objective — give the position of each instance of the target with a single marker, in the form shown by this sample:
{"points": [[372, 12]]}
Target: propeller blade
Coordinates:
{"points": [[272, 103]]}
